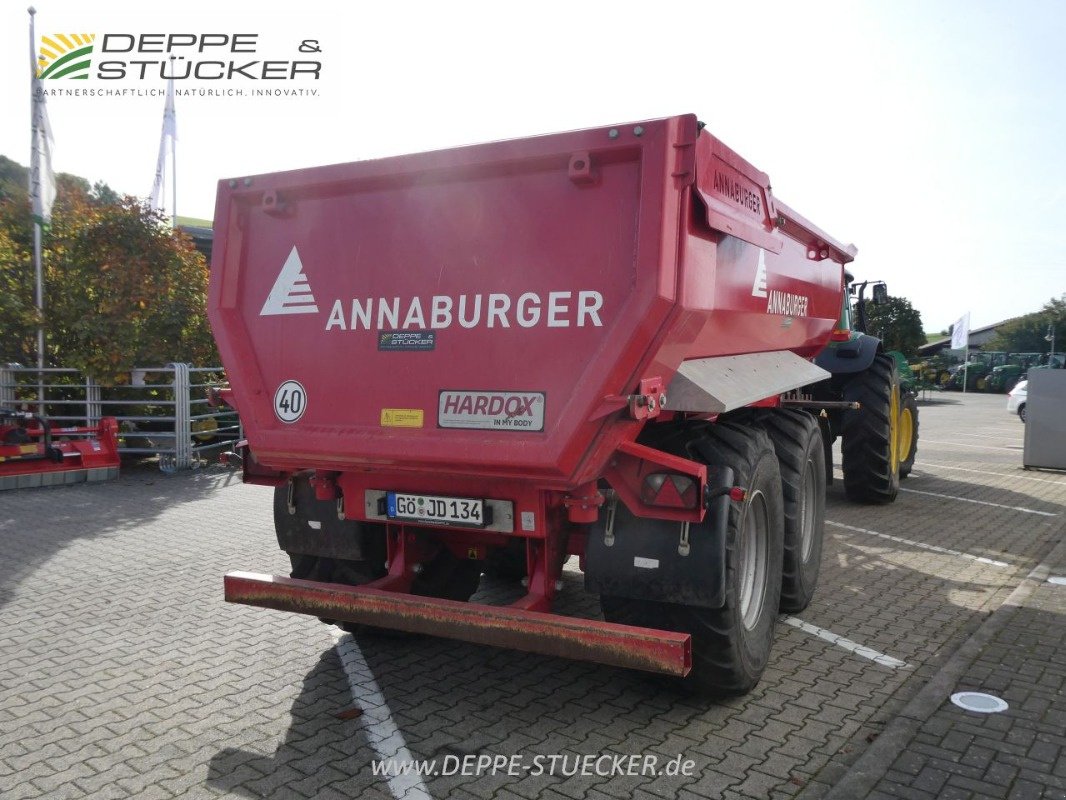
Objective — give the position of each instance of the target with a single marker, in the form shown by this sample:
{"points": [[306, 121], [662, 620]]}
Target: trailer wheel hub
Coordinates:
{"points": [[752, 559], [810, 501]]}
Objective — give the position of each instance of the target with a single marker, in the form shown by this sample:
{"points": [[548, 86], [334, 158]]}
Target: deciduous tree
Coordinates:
{"points": [[898, 324], [122, 289], [1026, 334]]}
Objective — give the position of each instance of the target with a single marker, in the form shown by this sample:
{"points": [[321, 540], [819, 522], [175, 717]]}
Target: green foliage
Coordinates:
{"points": [[121, 289], [898, 324], [14, 178], [1026, 334], [18, 314], [103, 193]]}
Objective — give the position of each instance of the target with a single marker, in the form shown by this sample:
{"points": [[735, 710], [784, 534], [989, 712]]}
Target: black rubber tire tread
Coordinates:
{"points": [[797, 439], [507, 563], [867, 434], [909, 401], [727, 659], [332, 570], [448, 576], [444, 576]]}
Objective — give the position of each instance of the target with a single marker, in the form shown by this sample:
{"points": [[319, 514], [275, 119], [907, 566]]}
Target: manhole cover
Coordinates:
{"points": [[981, 703]]}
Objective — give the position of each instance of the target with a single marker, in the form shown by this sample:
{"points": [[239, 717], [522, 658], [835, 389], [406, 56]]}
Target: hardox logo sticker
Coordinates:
{"points": [[291, 293], [65, 55], [507, 411], [758, 288]]}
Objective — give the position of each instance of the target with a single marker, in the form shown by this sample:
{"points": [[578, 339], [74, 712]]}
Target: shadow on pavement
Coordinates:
{"points": [[35, 524], [449, 698], [939, 401], [981, 520], [317, 746]]}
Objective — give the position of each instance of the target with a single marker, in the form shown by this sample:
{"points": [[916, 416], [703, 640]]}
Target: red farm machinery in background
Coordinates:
{"points": [[35, 453], [493, 358]]}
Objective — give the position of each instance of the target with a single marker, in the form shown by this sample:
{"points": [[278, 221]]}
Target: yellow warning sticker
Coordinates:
{"points": [[401, 418]]}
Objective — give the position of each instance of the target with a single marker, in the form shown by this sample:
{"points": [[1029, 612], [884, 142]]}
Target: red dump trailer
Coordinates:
{"points": [[491, 358]]}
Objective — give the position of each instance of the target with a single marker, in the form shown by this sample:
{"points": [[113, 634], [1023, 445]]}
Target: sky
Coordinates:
{"points": [[932, 135]]}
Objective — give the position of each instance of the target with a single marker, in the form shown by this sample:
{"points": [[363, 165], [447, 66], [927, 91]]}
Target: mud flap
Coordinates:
{"points": [[313, 528], [645, 559]]}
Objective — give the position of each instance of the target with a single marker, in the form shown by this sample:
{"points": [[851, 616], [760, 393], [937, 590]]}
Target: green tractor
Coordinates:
{"points": [[978, 371], [871, 402], [1050, 361], [932, 372], [1004, 377], [975, 373]]}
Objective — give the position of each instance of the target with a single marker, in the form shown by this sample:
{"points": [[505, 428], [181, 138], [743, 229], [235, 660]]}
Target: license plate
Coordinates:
{"points": [[464, 511]]}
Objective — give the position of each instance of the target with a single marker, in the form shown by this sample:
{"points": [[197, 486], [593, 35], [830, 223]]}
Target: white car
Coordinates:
{"points": [[1016, 399]]}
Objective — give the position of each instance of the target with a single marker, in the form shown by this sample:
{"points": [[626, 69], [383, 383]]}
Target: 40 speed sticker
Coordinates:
{"points": [[290, 401]]}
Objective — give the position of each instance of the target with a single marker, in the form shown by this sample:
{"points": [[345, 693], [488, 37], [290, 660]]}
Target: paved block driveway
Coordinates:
{"points": [[123, 674]]}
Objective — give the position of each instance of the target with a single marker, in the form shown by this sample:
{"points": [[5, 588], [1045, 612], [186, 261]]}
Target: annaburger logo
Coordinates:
{"points": [[65, 55]]}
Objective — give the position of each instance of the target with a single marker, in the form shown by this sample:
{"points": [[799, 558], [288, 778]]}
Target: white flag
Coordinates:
{"points": [[169, 134], [42, 179], [960, 334]]}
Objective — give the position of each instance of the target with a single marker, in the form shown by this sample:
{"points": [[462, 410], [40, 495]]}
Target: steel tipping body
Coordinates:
{"points": [[553, 273]]}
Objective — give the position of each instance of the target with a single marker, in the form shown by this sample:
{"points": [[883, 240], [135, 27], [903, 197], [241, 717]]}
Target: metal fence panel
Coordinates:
{"points": [[163, 411]]}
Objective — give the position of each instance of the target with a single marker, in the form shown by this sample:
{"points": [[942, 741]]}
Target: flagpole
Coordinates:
{"points": [[173, 163], [158, 197], [37, 268]]}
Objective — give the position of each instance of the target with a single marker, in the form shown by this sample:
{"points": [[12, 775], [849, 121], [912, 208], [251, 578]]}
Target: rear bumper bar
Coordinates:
{"points": [[500, 626]]}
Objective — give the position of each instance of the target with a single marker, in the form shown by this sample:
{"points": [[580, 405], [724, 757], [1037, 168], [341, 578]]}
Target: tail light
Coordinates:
{"points": [[671, 490]]}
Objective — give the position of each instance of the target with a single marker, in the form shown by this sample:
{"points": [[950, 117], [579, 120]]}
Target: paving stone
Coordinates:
{"points": [[144, 676]]}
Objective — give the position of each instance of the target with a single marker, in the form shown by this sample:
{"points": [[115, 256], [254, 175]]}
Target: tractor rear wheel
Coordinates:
{"points": [[871, 433], [730, 645], [797, 440], [908, 434]]}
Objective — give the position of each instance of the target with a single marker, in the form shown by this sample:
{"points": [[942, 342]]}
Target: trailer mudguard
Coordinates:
{"points": [[849, 357], [726, 383], [644, 559], [308, 526]]}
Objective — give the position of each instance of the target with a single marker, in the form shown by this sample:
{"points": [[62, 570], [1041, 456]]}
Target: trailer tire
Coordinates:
{"points": [[730, 645], [332, 570], [507, 563], [444, 576], [908, 433], [448, 576], [797, 440], [871, 434]]}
